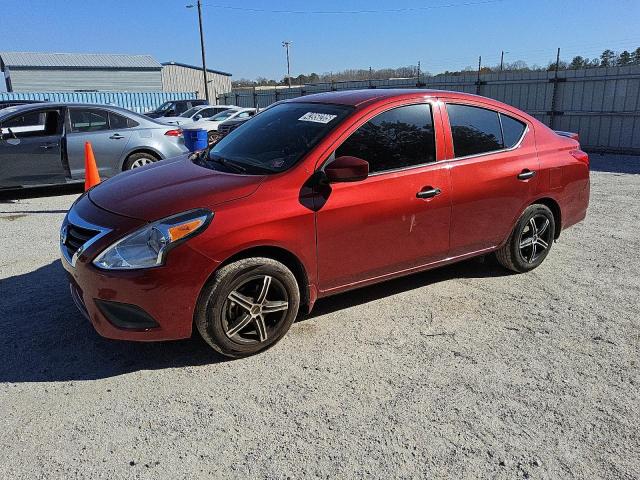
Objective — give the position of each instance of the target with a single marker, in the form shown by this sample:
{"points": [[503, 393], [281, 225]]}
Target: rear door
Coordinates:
{"points": [[31, 149], [108, 133], [493, 174]]}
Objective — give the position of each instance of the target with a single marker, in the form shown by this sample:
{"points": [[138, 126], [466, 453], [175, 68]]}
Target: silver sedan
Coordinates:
{"points": [[44, 144]]}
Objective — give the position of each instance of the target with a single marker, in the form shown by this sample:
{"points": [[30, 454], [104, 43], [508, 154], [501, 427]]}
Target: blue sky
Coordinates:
{"points": [[249, 44]]}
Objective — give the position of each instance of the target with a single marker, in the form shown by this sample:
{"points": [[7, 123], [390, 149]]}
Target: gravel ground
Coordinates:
{"points": [[465, 371]]}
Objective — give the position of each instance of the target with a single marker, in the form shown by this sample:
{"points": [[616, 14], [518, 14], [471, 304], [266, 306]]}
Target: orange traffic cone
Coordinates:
{"points": [[91, 175]]}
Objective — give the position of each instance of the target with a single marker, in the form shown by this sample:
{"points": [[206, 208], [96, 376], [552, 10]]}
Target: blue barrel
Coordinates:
{"points": [[195, 139]]}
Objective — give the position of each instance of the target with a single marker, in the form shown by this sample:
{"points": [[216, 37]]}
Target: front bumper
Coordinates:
{"points": [[142, 305]]}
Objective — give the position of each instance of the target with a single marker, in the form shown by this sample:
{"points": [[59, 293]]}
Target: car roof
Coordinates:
{"points": [[52, 105], [359, 98]]}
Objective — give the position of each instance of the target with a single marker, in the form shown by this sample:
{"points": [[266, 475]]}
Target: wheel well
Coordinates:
{"points": [[141, 150], [555, 209], [283, 256]]}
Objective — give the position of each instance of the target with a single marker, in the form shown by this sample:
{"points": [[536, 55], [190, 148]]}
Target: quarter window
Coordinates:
{"points": [[512, 130], [118, 122], [88, 120], [398, 138]]}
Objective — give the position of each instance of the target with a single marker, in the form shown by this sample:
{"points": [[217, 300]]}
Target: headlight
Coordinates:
{"points": [[148, 246]]}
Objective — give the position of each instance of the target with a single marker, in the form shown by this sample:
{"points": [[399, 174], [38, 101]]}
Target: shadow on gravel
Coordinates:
{"points": [[10, 196], [475, 268], [45, 339], [614, 163]]}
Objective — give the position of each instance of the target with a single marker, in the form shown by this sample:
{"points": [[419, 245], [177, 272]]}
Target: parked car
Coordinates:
{"points": [[194, 114], [225, 128], [211, 125], [43, 144], [315, 196], [174, 107], [16, 102]]}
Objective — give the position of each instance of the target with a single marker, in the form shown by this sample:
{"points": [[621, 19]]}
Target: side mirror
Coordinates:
{"points": [[169, 113], [347, 169], [197, 117]]}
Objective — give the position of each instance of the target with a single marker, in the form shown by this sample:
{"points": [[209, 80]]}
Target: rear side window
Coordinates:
{"points": [[88, 120], [398, 138], [474, 130], [512, 130]]}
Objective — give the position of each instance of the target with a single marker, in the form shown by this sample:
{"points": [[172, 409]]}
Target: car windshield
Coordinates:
{"points": [[163, 107], [222, 115], [279, 137], [191, 112]]}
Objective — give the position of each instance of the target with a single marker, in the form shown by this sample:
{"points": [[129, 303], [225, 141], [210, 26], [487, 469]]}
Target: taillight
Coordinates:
{"points": [[174, 133], [580, 156]]}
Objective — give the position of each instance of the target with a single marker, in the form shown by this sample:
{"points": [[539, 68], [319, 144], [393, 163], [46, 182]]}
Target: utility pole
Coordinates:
{"points": [[418, 72], [204, 61], [478, 81], [554, 94], [502, 59], [286, 44]]}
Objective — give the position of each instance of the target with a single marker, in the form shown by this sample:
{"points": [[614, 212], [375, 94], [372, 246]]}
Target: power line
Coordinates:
{"points": [[353, 12]]}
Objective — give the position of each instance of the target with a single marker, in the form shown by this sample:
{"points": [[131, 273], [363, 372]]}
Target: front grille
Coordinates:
{"points": [[76, 237]]}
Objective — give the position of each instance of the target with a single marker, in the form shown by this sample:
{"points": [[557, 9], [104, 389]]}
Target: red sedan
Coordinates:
{"points": [[315, 196]]}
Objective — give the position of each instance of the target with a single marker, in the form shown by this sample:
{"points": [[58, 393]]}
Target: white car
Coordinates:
{"points": [[199, 112], [211, 124]]}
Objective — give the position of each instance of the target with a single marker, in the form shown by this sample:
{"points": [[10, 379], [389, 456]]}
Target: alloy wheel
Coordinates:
{"points": [[535, 238], [255, 309], [141, 162]]}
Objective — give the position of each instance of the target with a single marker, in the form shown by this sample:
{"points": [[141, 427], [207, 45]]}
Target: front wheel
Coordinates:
{"points": [[531, 240], [248, 306]]}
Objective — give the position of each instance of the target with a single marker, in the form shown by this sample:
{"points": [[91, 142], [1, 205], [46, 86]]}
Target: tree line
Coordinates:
{"points": [[608, 58]]}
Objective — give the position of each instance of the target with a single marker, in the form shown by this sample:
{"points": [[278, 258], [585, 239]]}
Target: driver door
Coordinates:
{"points": [[31, 149], [398, 218]]}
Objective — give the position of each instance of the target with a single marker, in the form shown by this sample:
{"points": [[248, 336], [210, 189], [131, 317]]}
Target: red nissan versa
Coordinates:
{"points": [[312, 197]]}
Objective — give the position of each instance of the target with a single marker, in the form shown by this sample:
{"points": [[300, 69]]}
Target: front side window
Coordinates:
{"points": [[475, 130], [398, 138], [279, 137], [34, 124], [88, 120], [190, 113], [223, 115]]}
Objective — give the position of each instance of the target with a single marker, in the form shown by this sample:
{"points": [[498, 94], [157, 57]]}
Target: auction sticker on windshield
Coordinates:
{"points": [[317, 117]]}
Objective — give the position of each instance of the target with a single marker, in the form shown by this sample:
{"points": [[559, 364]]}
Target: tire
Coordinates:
{"points": [[232, 317], [531, 240], [139, 159]]}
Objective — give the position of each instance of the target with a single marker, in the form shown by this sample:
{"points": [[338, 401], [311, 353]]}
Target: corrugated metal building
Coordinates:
{"points": [[180, 77], [33, 72]]}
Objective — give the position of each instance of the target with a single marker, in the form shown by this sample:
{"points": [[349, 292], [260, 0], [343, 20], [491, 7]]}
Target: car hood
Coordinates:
{"points": [[168, 187]]}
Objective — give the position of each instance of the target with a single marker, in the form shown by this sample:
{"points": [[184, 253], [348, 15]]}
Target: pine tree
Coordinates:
{"points": [[624, 58], [607, 58]]}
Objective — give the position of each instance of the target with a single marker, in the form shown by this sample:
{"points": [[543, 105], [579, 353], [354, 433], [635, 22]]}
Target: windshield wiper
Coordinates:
{"points": [[229, 164]]}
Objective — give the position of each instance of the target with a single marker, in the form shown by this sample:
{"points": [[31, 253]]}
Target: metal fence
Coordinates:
{"points": [[601, 104], [136, 101]]}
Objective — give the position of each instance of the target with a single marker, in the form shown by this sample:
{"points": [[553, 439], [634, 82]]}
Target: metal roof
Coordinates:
{"points": [[186, 65], [77, 61]]}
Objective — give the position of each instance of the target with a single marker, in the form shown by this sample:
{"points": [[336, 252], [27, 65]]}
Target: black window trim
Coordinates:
{"points": [[492, 152], [430, 102]]}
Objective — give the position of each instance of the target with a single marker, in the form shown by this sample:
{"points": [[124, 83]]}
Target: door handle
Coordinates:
{"points": [[526, 174], [428, 192], [116, 136], [47, 146]]}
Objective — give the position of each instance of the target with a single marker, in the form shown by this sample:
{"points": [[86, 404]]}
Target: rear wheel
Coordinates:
{"points": [[248, 306], [212, 137], [531, 240], [140, 159]]}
